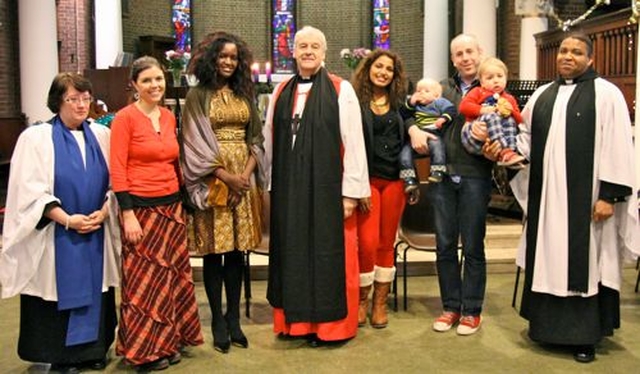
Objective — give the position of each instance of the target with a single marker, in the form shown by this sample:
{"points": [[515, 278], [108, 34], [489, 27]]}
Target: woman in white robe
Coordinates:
{"points": [[60, 237]]}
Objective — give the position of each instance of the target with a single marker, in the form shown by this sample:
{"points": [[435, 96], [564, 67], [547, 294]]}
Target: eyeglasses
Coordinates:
{"points": [[75, 100]]}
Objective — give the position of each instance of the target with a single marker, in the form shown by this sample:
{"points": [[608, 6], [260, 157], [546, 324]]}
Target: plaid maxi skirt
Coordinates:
{"points": [[158, 310]]}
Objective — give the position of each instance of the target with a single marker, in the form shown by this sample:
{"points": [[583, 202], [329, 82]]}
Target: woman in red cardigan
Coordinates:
{"points": [[158, 310]]}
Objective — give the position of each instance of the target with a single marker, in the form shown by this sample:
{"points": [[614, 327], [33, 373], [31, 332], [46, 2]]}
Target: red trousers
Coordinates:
{"points": [[377, 229]]}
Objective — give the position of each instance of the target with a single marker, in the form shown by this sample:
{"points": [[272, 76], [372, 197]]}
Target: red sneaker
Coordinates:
{"points": [[446, 321], [469, 325]]}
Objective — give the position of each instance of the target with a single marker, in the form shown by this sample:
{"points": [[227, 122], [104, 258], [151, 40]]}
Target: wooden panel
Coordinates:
{"points": [[156, 46], [10, 128], [111, 86]]}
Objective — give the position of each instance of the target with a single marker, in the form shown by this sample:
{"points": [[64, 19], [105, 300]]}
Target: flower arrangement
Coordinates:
{"points": [[264, 88], [177, 60], [353, 58]]}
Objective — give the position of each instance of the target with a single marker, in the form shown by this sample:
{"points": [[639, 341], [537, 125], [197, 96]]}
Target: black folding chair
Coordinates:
{"points": [[416, 231]]}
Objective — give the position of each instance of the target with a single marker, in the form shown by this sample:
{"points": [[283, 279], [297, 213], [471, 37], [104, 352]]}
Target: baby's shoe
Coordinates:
{"points": [[410, 185], [510, 159], [436, 176]]}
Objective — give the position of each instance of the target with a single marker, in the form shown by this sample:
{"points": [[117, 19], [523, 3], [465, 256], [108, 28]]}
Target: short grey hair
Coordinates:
{"points": [[311, 31], [464, 37]]}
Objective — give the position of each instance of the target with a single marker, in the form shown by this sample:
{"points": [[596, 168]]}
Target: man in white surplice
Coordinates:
{"points": [[580, 199]]}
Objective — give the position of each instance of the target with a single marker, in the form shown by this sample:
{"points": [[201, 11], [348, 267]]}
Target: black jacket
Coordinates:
{"points": [[459, 161]]}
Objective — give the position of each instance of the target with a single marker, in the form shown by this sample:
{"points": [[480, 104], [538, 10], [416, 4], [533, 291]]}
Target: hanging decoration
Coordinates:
{"points": [[635, 12], [381, 24], [567, 24], [531, 8]]}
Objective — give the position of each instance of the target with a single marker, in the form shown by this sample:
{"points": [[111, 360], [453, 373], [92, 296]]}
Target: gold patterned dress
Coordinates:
{"points": [[222, 228]]}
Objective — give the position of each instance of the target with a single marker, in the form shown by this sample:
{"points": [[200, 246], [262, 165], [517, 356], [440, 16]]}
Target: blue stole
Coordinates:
{"points": [[79, 257]]}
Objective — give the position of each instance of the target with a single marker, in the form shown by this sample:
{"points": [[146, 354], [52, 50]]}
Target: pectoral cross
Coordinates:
{"points": [[295, 124]]}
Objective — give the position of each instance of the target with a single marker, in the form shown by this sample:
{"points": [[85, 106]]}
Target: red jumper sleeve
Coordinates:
{"points": [[471, 104], [120, 141]]}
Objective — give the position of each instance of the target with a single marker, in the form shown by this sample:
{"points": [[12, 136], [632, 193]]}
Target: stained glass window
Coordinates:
{"points": [[283, 29], [381, 24], [181, 18]]}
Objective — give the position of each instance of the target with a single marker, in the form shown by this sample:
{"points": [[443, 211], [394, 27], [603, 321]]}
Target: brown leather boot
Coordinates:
{"points": [[363, 308], [379, 317]]}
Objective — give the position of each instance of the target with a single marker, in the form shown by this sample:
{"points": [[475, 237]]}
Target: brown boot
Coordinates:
{"points": [[379, 318], [363, 308]]}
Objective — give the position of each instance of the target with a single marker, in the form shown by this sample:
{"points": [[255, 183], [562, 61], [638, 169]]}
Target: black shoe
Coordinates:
{"points": [[314, 342], [95, 364], [221, 346], [584, 354], [156, 365], [221, 341], [235, 333], [240, 340], [64, 368], [174, 358], [410, 185]]}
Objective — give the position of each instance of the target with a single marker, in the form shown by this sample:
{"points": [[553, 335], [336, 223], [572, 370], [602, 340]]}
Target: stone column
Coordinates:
{"points": [[528, 51], [108, 32], [533, 21], [479, 19], [38, 55], [435, 60]]}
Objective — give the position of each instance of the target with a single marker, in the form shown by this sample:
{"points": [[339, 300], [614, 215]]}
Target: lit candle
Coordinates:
{"points": [[255, 72], [267, 71]]}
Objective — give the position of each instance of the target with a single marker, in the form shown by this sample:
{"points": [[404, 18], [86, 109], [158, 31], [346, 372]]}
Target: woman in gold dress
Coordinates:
{"points": [[221, 144]]}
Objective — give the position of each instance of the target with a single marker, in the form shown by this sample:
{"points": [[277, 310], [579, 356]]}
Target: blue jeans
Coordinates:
{"points": [[461, 211], [437, 153]]}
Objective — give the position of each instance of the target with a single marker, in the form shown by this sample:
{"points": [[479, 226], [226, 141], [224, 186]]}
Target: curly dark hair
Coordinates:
{"points": [[201, 48], [61, 84], [363, 86], [204, 64]]}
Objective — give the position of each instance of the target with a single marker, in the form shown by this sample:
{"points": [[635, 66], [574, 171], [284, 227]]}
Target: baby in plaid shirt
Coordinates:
{"points": [[490, 104]]}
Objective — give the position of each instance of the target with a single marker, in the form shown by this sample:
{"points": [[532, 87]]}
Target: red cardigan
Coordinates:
{"points": [[143, 162], [472, 102]]}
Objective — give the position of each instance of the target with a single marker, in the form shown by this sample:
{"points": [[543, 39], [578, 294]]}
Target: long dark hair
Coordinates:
{"points": [[205, 64], [363, 86]]}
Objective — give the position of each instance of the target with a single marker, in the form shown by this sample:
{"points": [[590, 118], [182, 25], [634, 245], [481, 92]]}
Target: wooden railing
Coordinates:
{"points": [[614, 46]]}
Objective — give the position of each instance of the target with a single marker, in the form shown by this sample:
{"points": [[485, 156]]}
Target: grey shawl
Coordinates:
{"points": [[200, 149]]}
